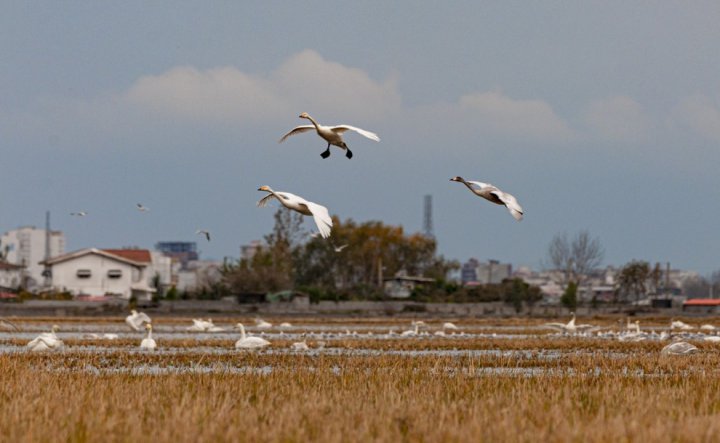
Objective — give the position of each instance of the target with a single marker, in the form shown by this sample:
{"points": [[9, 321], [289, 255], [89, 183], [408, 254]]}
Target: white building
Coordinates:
{"points": [[198, 274], [10, 275], [96, 272], [26, 247]]}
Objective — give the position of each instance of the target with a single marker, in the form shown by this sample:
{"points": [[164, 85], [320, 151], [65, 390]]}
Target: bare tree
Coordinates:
{"points": [[575, 258]]}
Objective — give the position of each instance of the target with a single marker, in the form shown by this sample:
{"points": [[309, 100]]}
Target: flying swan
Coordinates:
{"points": [[331, 134], [571, 327], [291, 201], [493, 194]]}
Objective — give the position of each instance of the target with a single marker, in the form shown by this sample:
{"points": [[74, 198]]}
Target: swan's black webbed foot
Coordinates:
{"points": [[348, 154], [326, 153]]}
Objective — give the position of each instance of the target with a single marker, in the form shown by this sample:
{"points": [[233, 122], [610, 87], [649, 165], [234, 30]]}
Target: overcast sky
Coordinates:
{"points": [[602, 116]]}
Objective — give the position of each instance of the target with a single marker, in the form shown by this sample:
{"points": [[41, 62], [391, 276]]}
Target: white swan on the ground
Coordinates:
{"points": [[262, 324], [285, 325], [136, 319], [199, 325], [411, 332], [249, 342], [318, 212], [46, 341], [712, 338], [300, 346], [493, 194], [448, 325], [570, 327], [677, 324], [331, 134], [148, 342], [679, 348], [707, 327]]}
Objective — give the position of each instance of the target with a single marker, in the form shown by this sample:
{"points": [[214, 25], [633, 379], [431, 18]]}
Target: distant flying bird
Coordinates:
{"points": [[296, 203], [142, 208], [79, 214], [571, 327], [331, 134], [341, 247], [203, 232], [493, 194]]}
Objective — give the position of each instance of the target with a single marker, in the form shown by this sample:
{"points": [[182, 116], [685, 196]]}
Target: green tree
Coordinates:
{"points": [[569, 297]]}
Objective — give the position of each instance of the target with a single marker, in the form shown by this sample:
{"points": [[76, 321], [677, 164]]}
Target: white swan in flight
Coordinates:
{"points": [[148, 342], [136, 319], [46, 341], [679, 348], [571, 327], [79, 214], [493, 194], [142, 208], [331, 134], [318, 212], [249, 342]]}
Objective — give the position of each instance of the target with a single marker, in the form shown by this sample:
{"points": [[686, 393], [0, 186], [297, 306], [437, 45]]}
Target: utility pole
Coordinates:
{"points": [[47, 273]]}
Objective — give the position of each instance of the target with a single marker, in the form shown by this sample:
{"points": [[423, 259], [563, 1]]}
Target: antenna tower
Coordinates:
{"points": [[427, 220]]}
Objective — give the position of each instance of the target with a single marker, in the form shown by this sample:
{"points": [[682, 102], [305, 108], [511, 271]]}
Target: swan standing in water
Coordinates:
{"points": [[46, 341], [249, 342], [318, 212], [494, 195], [136, 319], [331, 134], [148, 342]]}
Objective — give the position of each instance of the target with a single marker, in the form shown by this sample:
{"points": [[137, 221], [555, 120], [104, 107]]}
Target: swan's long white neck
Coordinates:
{"points": [[312, 120], [149, 336], [242, 331]]}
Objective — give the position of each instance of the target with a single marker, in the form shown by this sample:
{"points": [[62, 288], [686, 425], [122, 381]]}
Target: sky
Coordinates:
{"points": [[598, 115]]}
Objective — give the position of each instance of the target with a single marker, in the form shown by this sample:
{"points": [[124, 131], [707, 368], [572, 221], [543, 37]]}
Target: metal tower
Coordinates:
{"points": [[427, 220], [47, 273]]}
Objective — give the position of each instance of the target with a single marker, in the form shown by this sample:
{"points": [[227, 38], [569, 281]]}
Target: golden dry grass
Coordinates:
{"points": [[590, 390]]}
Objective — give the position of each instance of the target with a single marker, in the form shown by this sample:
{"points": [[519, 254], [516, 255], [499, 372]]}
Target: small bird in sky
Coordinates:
{"points": [[203, 232], [79, 214], [142, 208]]}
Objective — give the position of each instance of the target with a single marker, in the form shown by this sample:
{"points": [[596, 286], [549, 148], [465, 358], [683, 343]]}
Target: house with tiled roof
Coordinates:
{"points": [[98, 272]]}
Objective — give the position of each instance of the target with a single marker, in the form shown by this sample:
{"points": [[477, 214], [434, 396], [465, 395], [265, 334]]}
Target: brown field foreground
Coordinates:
{"points": [[536, 388]]}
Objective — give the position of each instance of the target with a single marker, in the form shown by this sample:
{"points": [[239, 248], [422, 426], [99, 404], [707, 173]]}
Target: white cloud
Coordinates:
{"points": [[304, 82], [700, 115], [499, 115], [617, 118]]}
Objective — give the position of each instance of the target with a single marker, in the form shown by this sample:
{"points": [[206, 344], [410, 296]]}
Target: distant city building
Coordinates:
{"points": [[182, 252], [198, 275], [247, 252], [475, 272], [26, 247]]}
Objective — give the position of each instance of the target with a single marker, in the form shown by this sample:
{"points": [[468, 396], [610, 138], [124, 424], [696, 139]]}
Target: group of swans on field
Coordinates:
{"points": [[416, 325], [333, 136]]}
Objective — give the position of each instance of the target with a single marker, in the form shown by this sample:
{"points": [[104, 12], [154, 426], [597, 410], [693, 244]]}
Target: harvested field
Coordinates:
{"points": [[501, 380]]}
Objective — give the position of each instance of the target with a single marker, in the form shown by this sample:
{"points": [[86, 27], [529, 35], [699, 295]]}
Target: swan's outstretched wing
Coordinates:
{"points": [[265, 200], [298, 130], [142, 318], [342, 128], [557, 326], [322, 218], [510, 203]]}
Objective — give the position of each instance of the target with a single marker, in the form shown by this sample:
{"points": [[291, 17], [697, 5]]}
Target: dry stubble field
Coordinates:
{"points": [[523, 384]]}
